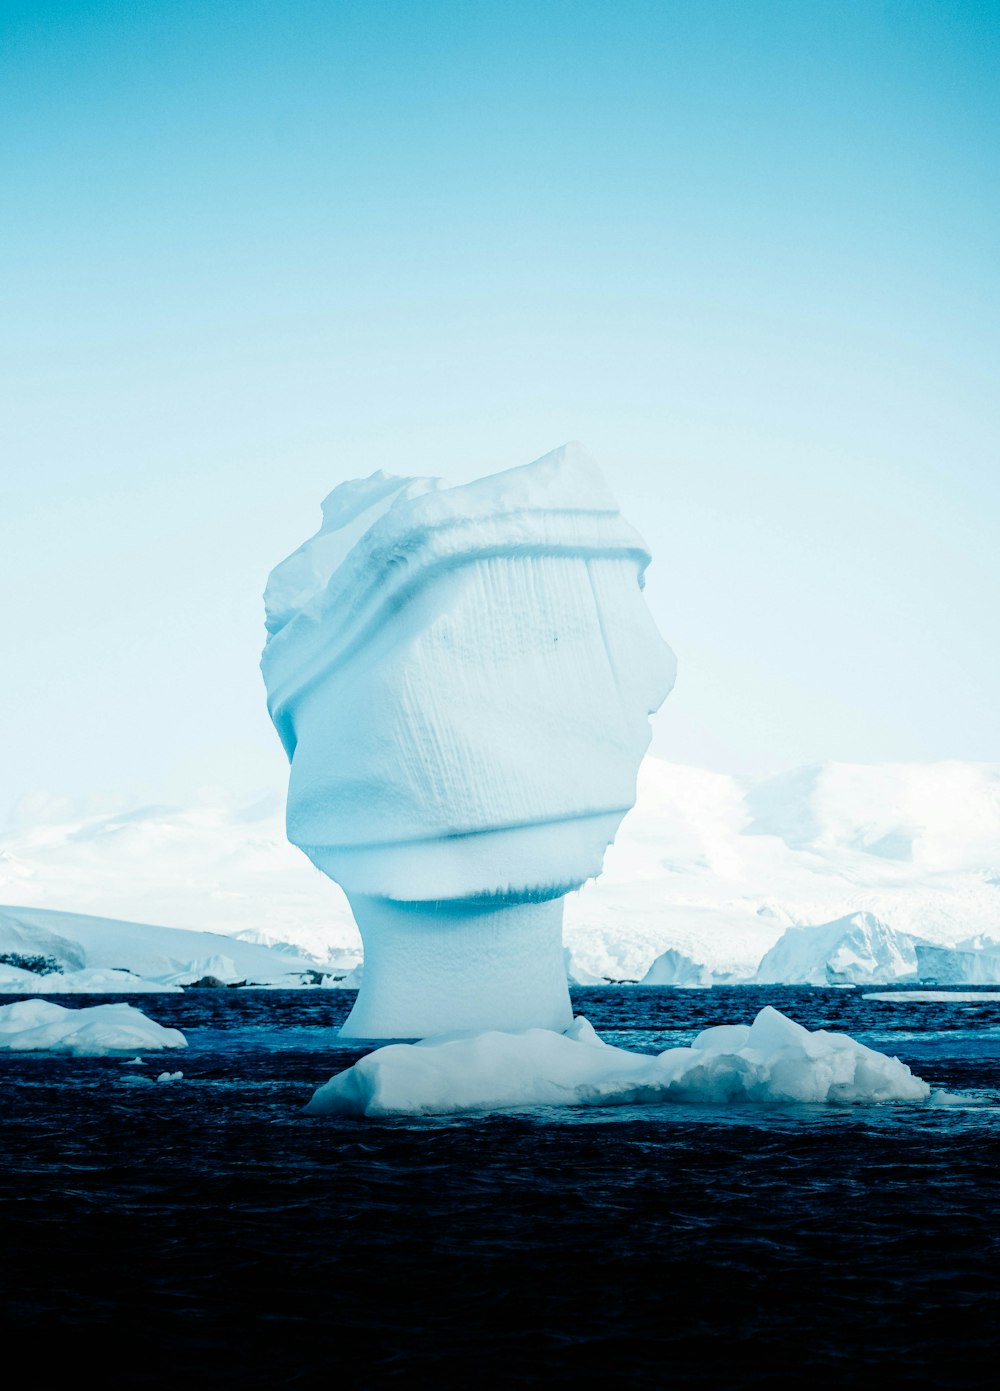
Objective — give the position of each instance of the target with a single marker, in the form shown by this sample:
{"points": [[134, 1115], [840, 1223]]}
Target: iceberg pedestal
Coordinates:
{"points": [[461, 965], [462, 679]]}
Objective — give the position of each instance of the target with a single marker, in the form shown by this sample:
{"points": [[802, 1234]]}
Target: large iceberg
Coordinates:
{"points": [[462, 679], [974, 962], [859, 949], [772, 1060]]}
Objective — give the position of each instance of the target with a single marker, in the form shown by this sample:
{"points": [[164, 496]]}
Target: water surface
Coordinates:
{"points": [[207, 1231]]}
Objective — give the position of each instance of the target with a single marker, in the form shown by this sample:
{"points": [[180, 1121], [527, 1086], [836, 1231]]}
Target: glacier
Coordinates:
{"points": [[462, 679]]}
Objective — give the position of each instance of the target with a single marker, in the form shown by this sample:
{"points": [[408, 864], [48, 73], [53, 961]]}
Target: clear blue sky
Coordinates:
{"points": [[748, 253]]}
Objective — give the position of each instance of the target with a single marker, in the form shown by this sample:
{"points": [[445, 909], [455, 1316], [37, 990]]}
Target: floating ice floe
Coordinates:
{"points": [[40, 1026], [772, 1060], [936, 997]]}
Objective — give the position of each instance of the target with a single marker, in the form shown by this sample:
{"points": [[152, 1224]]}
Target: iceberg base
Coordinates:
{"points": [[771, 1061], [433, 968]]}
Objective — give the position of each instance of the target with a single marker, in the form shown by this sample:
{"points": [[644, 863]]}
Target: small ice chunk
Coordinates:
{"points": [[170, 1076]]}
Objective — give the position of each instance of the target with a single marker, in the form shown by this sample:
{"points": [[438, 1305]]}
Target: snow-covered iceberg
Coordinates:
{"points": [[858, 949], [31, 1026], [773, 1060], [674, 967], [462, 678], [965, 964]]}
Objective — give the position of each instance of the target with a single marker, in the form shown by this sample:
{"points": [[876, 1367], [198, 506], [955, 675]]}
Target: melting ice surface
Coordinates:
{"points": [[773, 1060]]}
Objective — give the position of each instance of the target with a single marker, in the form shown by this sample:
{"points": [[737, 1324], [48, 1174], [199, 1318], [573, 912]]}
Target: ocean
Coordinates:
{"points": [[203, 1231]]}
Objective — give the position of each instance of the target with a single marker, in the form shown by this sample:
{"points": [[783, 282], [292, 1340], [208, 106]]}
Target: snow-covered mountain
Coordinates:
{"points": [[223, 869], [718, 868], [712, 867], [44, 949]]}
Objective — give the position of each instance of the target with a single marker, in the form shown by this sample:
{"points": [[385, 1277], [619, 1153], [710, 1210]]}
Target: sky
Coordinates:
{"points": [[746, 252]]}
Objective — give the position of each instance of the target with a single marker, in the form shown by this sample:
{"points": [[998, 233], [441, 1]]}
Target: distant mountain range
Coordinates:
{"points": [[711, 867]]}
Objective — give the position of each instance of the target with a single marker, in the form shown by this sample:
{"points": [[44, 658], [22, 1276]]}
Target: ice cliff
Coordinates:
{"points": [[462, 679], [975, 962]]}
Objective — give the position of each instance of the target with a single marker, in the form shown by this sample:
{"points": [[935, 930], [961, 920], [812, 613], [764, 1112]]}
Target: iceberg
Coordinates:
{"points": [[462, 679], [966, 964], [771, 1061], [673, 967], [858, 949], [39, 1026]]}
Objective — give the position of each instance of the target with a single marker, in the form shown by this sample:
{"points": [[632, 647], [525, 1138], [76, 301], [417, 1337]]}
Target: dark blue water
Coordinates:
{"points": [[206, 1233]]}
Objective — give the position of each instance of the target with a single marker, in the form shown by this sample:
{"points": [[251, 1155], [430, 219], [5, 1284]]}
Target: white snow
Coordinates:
{"points": [[14, 981], [462, 679], [577, 974], [773, 1060], [717, 867], [39, 1026], [92, 955], [215, 868]]}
